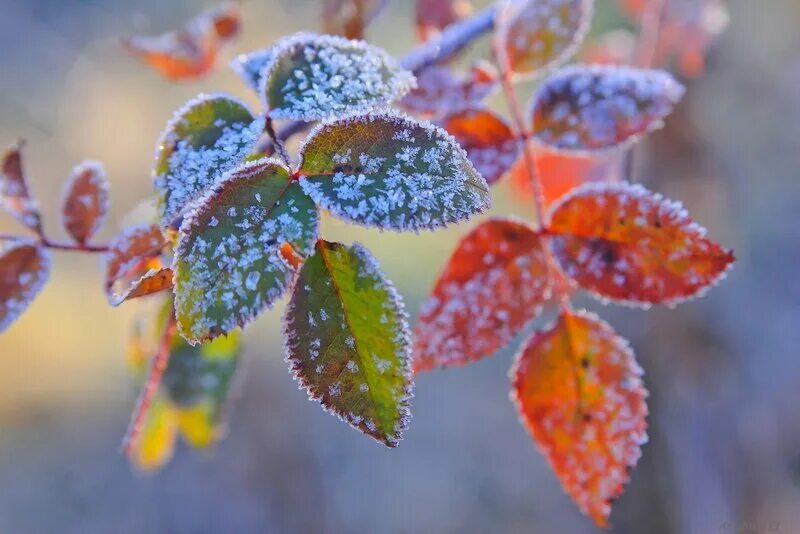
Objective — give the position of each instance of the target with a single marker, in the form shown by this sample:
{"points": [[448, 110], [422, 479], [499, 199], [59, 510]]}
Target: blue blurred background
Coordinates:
{"points": [[724, 371]]}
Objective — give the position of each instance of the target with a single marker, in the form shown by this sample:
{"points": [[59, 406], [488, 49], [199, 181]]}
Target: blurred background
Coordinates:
{"points": [[723, 371]]}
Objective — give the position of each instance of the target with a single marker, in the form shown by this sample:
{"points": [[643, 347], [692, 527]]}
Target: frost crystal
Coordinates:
{"points": [[250, 66], [85, 201], [312, 77]]}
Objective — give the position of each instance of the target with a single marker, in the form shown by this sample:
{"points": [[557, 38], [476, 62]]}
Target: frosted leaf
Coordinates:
{"points": [[355, 365], [439, 90], [15, 198], [433, 16], [133, 264], [623, 242], [535, 36], [489, 141], [494, 284], [579, 392], [390, 171], [206, 138], [24, 269], [215, 290], [85, 202], [250, 66], [313, 77], [590, 109]]}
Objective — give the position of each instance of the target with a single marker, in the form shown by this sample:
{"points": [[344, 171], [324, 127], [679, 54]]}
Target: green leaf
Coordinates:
{"points": [[229, 265], [390, 171], [206, 138], [312, 77], [348, 341]]}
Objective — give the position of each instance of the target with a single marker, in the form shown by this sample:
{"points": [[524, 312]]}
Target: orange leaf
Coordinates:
{"points": [[623, 242], [435, 15], [494, 284], [348, 18], [133, 264], [578, 390], [440, 91], [85, 203], [24, 269], [192, 52], [15, 198], [490, 144]]}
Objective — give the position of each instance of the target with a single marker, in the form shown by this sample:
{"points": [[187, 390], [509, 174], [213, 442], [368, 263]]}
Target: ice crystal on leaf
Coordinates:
{"points": [[24, 269], [440, 91], [595, 108], [489, 141], [250, 66], [625, 243], [15, 198], [235, 230], [134, 264], [392, 172], [207, 137], [534, 36], [493, 285], [579, 392], [313, 77], [85, 204], [356, 366]]}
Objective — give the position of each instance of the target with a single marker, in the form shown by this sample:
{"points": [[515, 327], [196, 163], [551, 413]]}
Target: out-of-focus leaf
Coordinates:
{"points": [[535, 36], [590, 109], [156, 443], [433, 16], [313, 77], [623, 242], [192, 52], [206, 138], [228, 264], [612, 48], [392, 172], [15, 198], [85, 204], [134, 267], [349, 18], [24, 269], [494, 284], [488, 139], [250, 66], [579, 392], [439, 90], [348, 343]]}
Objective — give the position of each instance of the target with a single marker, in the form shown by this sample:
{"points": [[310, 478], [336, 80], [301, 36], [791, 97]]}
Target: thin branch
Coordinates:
{"points": [[72, 247], [277, 142]]}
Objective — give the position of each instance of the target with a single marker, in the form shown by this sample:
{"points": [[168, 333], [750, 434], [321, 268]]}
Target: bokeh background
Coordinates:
{"points": [[724, 371]]}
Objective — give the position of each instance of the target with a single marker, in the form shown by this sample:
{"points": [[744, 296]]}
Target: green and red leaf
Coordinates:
{"points": [[392, 172], [85, 205], [494, 284], [578, 390], [348, 343], [228, 264], [24, 269], [625, 243], [15, 197], [134, 264]]}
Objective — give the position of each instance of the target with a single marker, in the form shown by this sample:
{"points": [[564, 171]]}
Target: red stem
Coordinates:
{"points": [[73, 247], [157, 367], [649, 32]]}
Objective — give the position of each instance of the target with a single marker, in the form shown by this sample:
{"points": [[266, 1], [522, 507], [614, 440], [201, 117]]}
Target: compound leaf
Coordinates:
{"points": [[228, 263], [392, 172], [24, 269], [589, 109], [313, 77], [493, 285], [623, 242], [534, 36], [578, 390], [439, 90], [85, 204], [15, 197], [134, 267], [489, 141], [348, 343], [206, 138]]}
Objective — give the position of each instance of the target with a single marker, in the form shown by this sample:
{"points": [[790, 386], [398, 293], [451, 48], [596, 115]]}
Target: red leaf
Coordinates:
{"points": [[490, 144], [494, 284], [134, 267], [439, 90], [578, 390], [348, 18], [15, 198], [623, 242], [24, 269], [192, 52], [435, 15], [85, 203]]}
